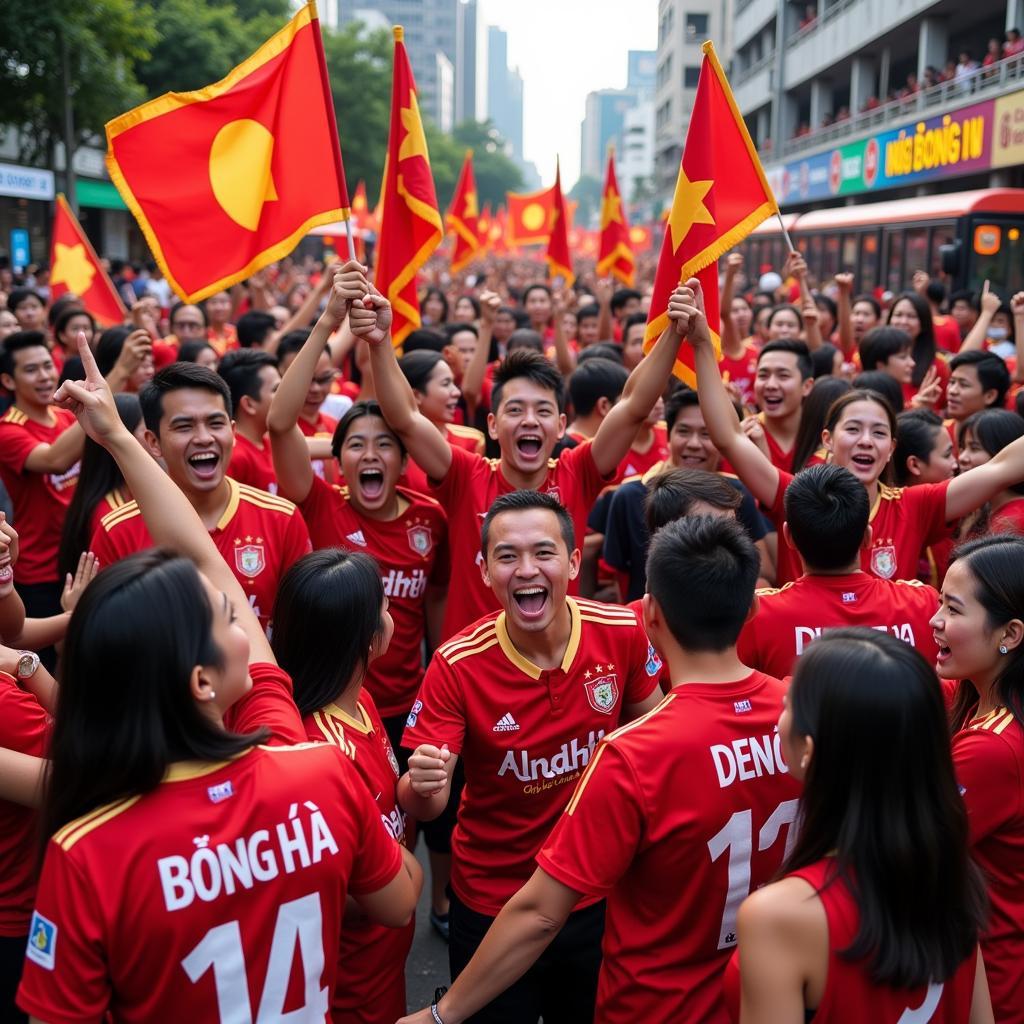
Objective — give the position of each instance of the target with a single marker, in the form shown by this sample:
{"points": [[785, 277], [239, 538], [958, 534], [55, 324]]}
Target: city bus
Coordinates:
{"points": [[965, 238]]}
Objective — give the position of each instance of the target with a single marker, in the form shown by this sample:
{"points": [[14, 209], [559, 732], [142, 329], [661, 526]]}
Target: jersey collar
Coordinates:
{"points": [[362, 724], [232, 506], [524, 664]]}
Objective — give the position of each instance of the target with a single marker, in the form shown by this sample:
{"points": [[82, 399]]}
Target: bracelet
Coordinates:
{"points": [[438, 993]]}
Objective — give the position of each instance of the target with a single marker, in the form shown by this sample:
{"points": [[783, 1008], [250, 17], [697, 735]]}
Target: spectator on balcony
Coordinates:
{"points": [[872, 103], [948, 72], [1014, 45], [827, 120], [843, 114], [810, 16], [804, 129], [993, 55], [931, 76], [911, 88], [966, 70]]}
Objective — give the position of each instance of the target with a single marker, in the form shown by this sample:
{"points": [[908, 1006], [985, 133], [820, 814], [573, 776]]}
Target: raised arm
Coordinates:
{"points": [[730, 339], [751, 465], [287, 443], [137, 346], [170, 518], [990, 303], [473, 379], [564, 358], [1017, 308], [971, 490], [844, 314], [603, 294], [302, 316], [370, 318], [797, 266]]}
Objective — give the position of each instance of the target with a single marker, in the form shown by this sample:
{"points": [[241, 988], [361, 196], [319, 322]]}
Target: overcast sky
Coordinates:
{"points": [[565, 49]]}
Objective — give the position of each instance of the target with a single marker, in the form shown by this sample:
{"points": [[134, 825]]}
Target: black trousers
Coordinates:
{"points": [[561, 986], [12, 958]]}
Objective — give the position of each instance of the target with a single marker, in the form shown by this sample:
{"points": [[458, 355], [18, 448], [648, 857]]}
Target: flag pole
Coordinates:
{"points": [[351, 240], [785, 233]]}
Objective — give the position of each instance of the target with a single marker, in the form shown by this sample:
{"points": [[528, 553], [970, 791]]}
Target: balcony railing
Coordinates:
{"points": [[997, 78], [759, 65], [831, 11]]}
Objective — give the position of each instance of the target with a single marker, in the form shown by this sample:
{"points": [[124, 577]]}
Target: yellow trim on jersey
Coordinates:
{"points": [[232, 506], [264, 499], [985, 720], [362, 724], [182, 771], [623, 729], [584, 778], [998, 727], [120, 515], [115, 499], [769, 591], [78, 829], [469, 640], [483, 645], [889, 494], [523, 663], [14, 415], [590, 607]]}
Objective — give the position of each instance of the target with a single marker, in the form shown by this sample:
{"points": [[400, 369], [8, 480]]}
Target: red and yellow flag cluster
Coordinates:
{"points": [[464, 217], [228, 178], [615, 255], [721, 195], [75, 268], [559, 258]]}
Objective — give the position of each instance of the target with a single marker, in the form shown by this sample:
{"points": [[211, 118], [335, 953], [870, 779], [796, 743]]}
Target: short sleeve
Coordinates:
{"points": [[295, 542], [990, 781], [456, 483], [268, 705], [24, 723], [437, 716], [595, 840], [16, 445], [579, 463], [644, 668], [65, 977], [929, 509], [379, 857], [105, 547]]}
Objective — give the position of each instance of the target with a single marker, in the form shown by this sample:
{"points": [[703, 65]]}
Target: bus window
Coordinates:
{"points": [[893, 259], [942, 234], [995, 249], [915, 253], [848, 259], [813, 256], [867, 278], [830, 263]]}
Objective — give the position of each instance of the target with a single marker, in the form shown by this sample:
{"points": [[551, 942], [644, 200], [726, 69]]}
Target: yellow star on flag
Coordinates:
{"points": [[688, 207], [472, 207], [415, 142], [611, 209], [73, 268]]}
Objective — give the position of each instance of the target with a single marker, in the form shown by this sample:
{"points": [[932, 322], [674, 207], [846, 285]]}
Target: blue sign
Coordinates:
{"points": [[21, 254]]}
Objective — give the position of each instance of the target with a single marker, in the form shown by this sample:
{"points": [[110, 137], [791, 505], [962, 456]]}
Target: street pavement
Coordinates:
{"points": [[427, 966]]}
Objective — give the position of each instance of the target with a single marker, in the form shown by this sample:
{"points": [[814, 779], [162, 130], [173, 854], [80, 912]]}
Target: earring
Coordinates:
{"points": [[212, 695], [1002, 649]]}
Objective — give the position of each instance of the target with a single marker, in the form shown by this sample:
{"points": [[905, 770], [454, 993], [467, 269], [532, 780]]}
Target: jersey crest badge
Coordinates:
{"points": [[653, 665], [603, 693], [421, 540], [393, 761], [250, 559], [42, 941], [883, 561]]}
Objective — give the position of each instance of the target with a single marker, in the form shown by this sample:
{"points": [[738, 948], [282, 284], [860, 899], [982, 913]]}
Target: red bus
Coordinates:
{"points": [[962, 237]]}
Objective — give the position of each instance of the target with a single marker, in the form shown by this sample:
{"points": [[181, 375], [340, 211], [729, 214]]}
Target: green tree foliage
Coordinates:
{"points": [[105, 40], [587, 192]]}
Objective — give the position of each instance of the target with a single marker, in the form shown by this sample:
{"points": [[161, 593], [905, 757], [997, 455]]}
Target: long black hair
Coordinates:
{"points": [[126, 711], [993, 429], [887, 808], [924, 350], [325, 592], [99, 475], [997, 565], [915, 436], [812, 417]]}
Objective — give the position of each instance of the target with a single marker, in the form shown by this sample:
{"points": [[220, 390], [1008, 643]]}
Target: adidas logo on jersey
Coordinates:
{"points": [[506, 724], [357, 538]]}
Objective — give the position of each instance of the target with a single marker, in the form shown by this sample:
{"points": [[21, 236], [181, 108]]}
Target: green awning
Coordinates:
{"points": [[98, 194]]}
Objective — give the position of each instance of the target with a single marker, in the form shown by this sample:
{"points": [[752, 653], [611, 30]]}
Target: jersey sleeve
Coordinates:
{"points": [[106, 547], [644, 668], [16, 445], [268, 705], [579, 462], [65, 977], [596, 838], [437, 716], [989, 780], [379, 857], [295, 542], [24, 724], [930, 509], [456, 484]]}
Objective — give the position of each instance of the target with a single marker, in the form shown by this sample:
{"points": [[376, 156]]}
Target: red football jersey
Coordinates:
{"points": [[371, 961], [525, 734], [253, 466], [679, 817], [224, 340], [850, 997], [468, 491], [25, 727], [741, 371], [326, 469], [40, 500], [947, 333], [782, 459], [467, 438], [789, 618], [637, 463], [1008, 519], [112, 500], [988, 754], [218, 896], [259, 535], [412, 552], [904, 522], [269, 704]]}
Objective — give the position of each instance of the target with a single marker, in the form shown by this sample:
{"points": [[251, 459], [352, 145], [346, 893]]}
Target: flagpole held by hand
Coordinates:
{"points": [[351, 240]]}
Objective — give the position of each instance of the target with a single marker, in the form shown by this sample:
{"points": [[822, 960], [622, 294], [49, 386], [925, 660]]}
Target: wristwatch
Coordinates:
{"points": [[28, 662]]}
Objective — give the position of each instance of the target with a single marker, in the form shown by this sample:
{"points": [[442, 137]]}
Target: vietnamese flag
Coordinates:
{"points": [[558, 256], [641, 237], [721, 195], [410, 224], [483, 225], [615, 255], [498, 233], [464, 216], [360, 206], [75, 268], [226, 179], [530, 216]]}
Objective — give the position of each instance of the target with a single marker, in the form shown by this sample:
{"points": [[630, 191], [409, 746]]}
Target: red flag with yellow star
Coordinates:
{"points": [[75, 268], [464, 217], [558, 256], [228, 178], [721, 196], [530, 216], [615, 255], [410, 224], [483, 225]]}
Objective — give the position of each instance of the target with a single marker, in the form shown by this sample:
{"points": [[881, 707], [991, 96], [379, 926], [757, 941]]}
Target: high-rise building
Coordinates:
{"points": [[470, 62], [504, 93]]}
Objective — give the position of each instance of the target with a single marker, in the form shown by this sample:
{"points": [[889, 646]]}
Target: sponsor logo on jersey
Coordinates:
{"points": [[414, 714], [849, 597], [748, 758], [741, 707], [803, 635], [404, 584], [42, 941], [883, 561], [421, 540], [357, 538], [571, 757], [222, 791], [653, 665], [506, 724], [250, 559], [603, 693], [62, 481]]}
